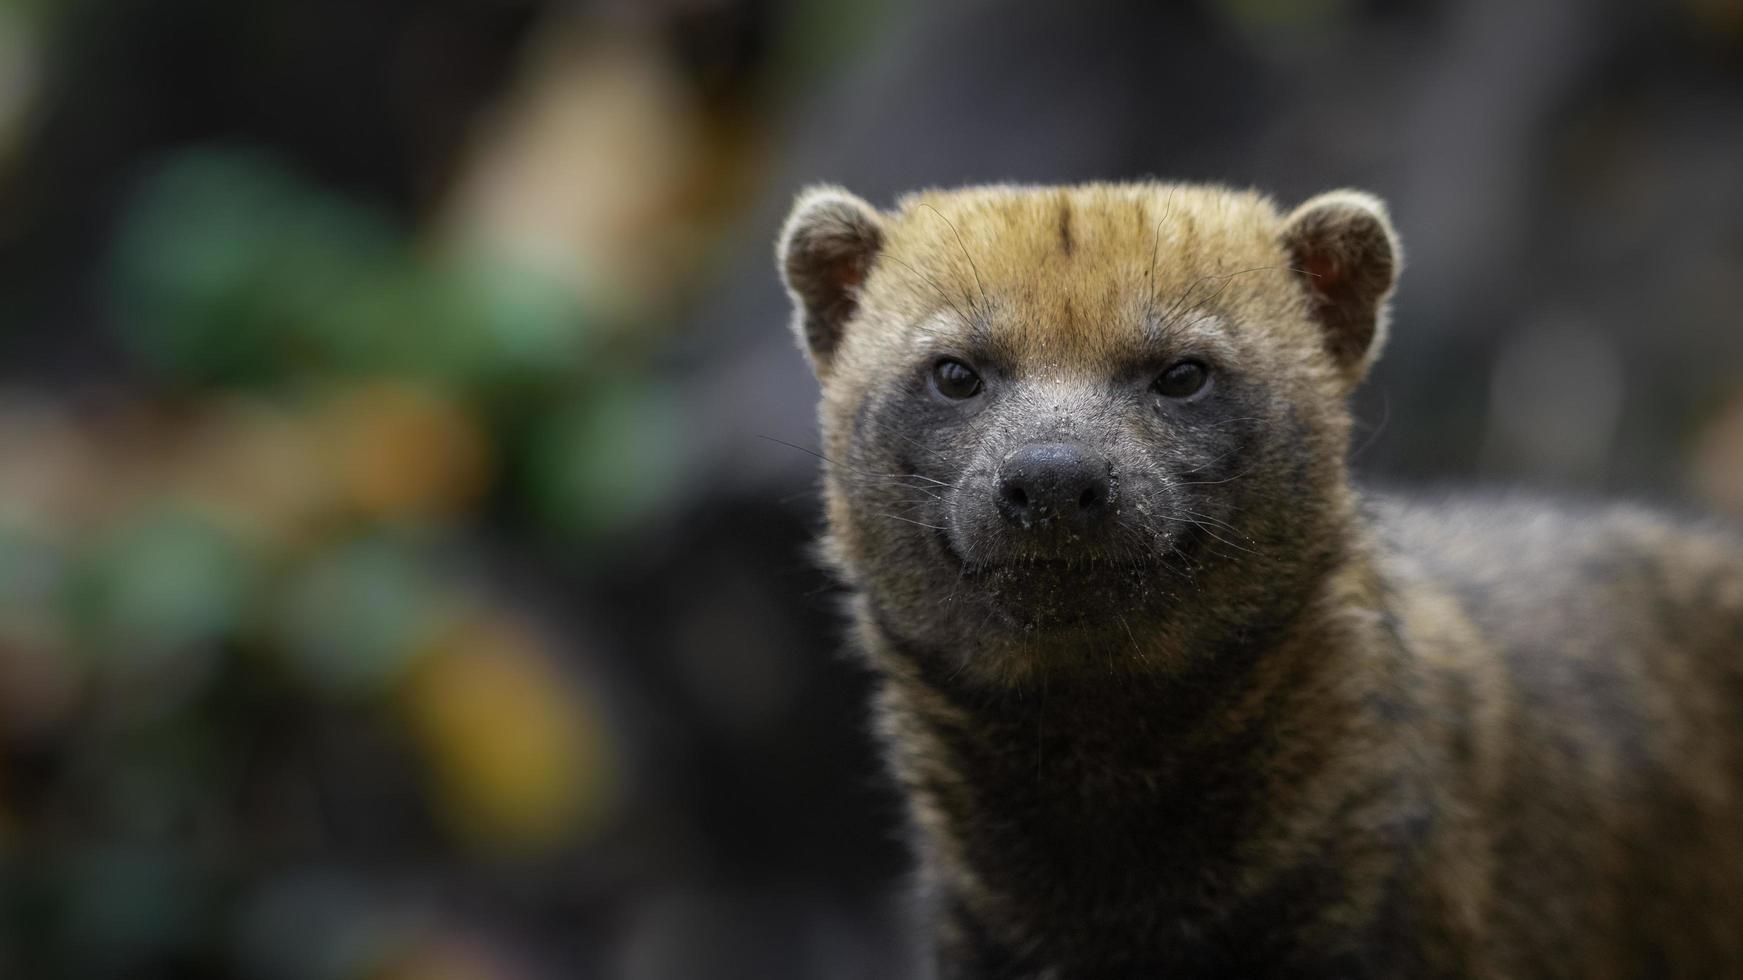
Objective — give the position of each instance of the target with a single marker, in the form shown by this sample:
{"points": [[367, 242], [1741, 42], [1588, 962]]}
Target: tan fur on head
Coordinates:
{"points": [[1056, 262]]}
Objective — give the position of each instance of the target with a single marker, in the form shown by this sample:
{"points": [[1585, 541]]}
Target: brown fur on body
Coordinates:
{"points": [[1252, 724]]}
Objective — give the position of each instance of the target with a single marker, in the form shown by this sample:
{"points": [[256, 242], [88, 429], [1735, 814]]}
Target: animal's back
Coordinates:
{"points": [[1609, 644]]}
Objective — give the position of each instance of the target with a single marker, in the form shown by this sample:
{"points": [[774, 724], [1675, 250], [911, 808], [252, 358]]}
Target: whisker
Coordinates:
{"points": [[1219, 523], [889, 429], [905, 520], [1206, 528], [959, 244], [1212, 483], [942, 293], [1156, 245], [1385, 416], [839, 463], [1138, 651], [1224, 278]]}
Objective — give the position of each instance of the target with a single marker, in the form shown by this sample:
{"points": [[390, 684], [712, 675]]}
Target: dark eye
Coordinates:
{"points": [[1183, 380], [954, 379]]}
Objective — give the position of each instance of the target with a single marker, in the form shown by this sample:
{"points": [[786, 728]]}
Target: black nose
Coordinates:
{"points": [[1047, 481]]}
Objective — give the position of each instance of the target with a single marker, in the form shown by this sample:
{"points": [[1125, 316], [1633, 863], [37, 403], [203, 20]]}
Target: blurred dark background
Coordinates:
{"points": [[401, 573]]}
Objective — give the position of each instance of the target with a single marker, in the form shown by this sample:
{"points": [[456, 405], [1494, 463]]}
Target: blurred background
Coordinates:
{"points": [[401, 572]]}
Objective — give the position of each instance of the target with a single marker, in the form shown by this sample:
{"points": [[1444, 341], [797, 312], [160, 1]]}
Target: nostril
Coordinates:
{"points": [[1091, 498], [1013, 502]]}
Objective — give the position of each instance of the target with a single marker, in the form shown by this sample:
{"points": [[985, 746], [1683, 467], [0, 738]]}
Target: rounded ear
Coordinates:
{"points": [[1343, 247], [825, 252]]}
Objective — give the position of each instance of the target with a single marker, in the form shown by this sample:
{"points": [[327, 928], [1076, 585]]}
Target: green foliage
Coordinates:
{"points": [[231, 269], [159, 583], [351, 618], [607, 459]]}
